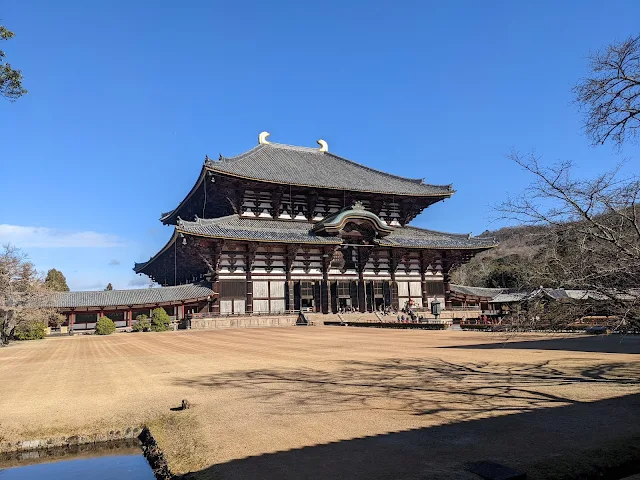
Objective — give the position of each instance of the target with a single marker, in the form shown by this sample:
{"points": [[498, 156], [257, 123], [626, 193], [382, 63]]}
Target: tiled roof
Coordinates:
{"points": [[476, 291], [139, 296], [423, 238], [507, 297], [234, 227], [291, 165]]}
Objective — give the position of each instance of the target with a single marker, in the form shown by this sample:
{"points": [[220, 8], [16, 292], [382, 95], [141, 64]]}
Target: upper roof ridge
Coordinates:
{"points": [[319, 151]]}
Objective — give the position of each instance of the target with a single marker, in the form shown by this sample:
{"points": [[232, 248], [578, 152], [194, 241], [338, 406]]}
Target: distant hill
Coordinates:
{"points": [[509, 265]]}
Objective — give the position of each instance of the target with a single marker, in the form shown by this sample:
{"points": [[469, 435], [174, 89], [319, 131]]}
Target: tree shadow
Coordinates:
{"points": [[459, 391], [582, 440], [593, 344], [512, 413]]}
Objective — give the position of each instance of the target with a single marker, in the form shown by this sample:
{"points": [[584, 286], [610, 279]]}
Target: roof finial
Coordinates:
{"points": [[262, 138], [324, 146]]}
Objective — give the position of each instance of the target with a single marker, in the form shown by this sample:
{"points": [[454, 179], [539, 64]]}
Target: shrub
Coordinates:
{"points": [[30, 331], [105, 326], [160, 320], [142, 324]]}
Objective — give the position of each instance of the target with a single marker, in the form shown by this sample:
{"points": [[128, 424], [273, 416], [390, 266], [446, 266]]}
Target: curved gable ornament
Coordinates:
{"points": [[262, 138], [356, 214]]}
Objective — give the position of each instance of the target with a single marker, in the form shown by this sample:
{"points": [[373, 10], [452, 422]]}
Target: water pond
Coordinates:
{"points": [[113, 461]]}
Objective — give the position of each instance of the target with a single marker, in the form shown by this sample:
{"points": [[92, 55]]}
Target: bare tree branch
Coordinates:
{"points": [[610, 95]]}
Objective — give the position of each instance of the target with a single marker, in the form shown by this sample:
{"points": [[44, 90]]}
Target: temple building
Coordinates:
{"points": [[282, 228]]}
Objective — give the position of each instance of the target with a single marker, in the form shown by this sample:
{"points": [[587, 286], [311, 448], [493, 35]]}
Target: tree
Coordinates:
{"points": [[142, 324], [105, 326], [610, 94], [21, 293], [109, 287], [10, 79], [56, 281], [160, 320], [592, 237]]}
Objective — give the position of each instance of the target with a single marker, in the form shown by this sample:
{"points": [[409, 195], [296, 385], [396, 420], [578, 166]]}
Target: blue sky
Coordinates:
{"points": [[126, 98]]}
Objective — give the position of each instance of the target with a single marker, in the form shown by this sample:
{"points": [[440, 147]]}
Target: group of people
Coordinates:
{"points": [[347, 309], [404, 315]]}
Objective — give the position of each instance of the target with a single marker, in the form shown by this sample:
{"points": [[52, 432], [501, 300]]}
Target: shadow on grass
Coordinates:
{"points": [[596, 344], [461, 391], [583, 440], [518, 414]]}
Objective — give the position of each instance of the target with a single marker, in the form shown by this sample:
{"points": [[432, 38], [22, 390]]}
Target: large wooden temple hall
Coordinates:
{"points": [[284, 228]]}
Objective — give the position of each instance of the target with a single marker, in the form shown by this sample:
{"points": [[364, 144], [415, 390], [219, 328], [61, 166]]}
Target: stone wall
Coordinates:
{"points": [[243, 322]]}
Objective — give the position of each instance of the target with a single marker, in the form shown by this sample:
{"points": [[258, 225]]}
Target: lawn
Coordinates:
{"points": [[322, 402]]}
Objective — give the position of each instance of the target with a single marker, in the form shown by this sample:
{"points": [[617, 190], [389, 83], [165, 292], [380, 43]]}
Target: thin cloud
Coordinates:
{"points": [[43, 237], [139, 282], [114, 262]]}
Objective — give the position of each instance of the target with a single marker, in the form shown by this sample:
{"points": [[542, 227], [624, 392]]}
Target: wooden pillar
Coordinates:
{"points": [[290, 293], [447, 290], [325, 287], [292, 251], [362, 294], [326, 295], [248, 307], [393, 288], [425, 294], [250, 257], [395, 303], [72, 319], [215, 286], [130, 317]]}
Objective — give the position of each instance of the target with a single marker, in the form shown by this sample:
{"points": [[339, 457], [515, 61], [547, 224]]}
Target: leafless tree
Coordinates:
{"points": [[610, 94], [21, 293], [592, 234]]}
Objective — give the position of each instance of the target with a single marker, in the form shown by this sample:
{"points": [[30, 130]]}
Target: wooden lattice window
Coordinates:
{"points": [[343, 289], [306, 289]]}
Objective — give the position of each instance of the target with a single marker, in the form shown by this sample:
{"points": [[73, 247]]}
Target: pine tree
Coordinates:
{"points": [[56, 281], [10, 78]]}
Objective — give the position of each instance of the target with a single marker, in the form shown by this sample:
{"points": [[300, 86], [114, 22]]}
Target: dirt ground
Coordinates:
{"points": [[327, 402]]}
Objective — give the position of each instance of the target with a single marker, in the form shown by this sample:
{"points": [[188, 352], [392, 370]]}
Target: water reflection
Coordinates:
{"points": [[119, 461]]}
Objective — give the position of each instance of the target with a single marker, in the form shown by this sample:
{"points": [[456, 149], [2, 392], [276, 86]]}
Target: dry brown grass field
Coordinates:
{"points": [[327, 402]]}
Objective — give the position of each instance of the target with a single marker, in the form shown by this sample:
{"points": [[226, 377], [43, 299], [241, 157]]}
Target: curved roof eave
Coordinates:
{"points": [[444, 194], [138, 267], [171, 217]]}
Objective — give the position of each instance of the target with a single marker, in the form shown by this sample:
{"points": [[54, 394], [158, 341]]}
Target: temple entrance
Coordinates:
{"points": [[307, 296]]}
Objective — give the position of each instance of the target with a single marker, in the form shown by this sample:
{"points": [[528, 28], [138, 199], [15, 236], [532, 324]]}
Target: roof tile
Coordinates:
{"points": [[312, 167]]}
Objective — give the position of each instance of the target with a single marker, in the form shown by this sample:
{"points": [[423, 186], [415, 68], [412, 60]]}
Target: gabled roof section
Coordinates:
{"points": [[357, 213], [138, 296], [313, 167]]}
